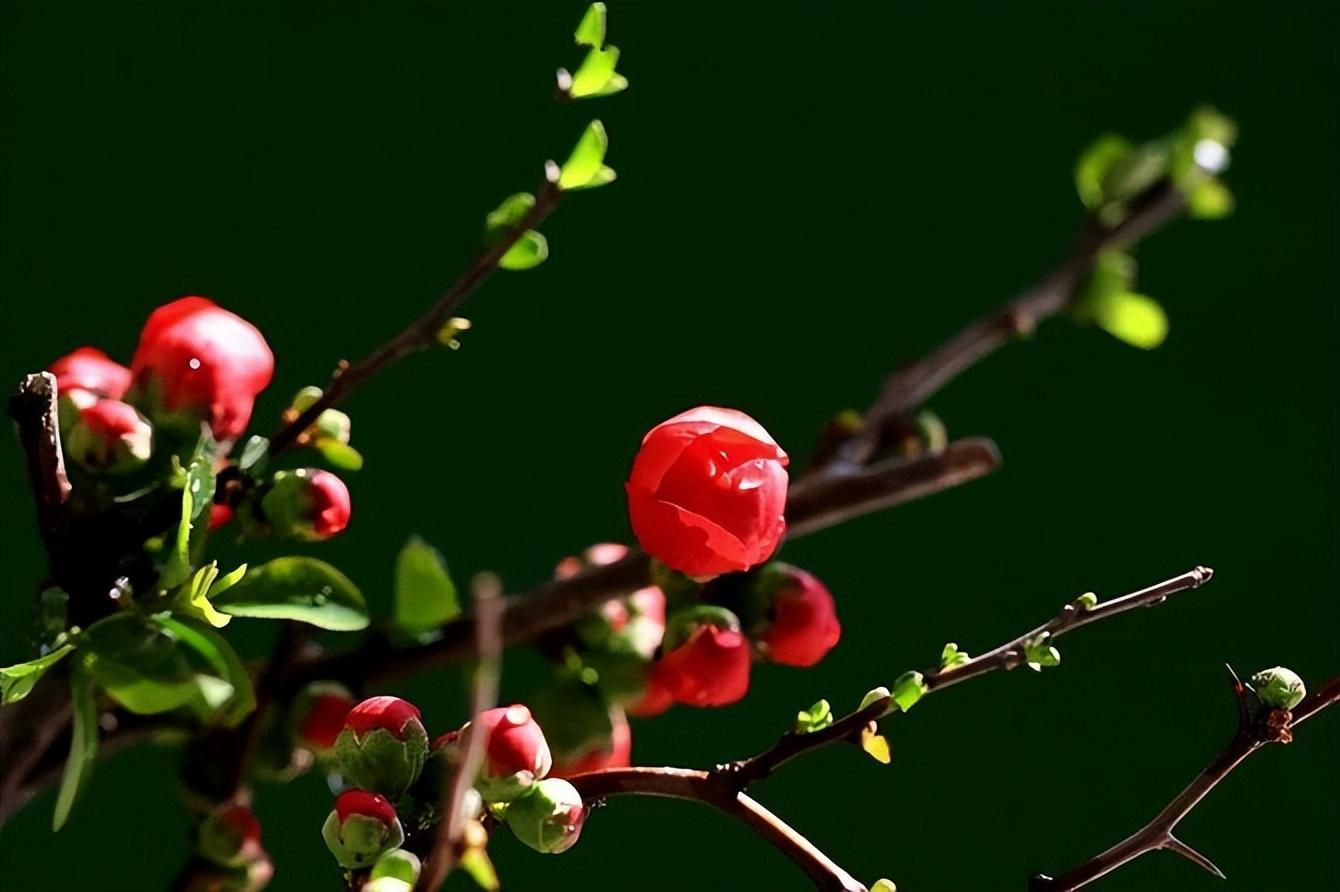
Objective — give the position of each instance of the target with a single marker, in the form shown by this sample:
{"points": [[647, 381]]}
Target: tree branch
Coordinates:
{"points": [[1006, 656], [446, 848], [34, 410], [1256, 728], [909, 387], [712, 789], [422, 332]]}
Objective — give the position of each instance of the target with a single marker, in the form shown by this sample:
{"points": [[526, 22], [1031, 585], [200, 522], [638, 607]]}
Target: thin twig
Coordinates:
{"points": [[909, 387], [446, 849], [422, 333], [709, 789], [1256, 728], [1007, 656]]}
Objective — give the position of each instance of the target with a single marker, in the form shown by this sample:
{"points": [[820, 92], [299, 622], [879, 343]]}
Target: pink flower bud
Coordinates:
{"points": [[109, 437], [399, 717], [308, 504], [87, 375], [194, 355], [369, 805], [707, 492], [220, 515], [361, 827], [516, 753], [803, 624], [328, 708], [615, 751], [710, 668]]}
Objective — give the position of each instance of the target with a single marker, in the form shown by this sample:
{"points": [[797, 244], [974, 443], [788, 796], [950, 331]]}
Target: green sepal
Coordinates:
{"points": [[382, 762]]}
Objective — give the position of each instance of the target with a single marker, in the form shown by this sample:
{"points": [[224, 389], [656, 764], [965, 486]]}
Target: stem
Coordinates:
{"points": [[34, 410], [1271, 726], [909, 387], [446, 847], [422, 332], [709, 789], [1006, 656]]}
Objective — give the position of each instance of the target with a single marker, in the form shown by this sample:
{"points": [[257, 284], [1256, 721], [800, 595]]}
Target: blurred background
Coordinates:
{"points": [[808, 195]]}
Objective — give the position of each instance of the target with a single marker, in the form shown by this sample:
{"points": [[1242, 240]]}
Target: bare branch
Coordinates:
{"points": [[446, 847], [1256, 728], [34, 410]]}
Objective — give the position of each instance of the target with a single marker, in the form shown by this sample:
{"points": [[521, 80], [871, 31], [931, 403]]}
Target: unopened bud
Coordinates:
{"points": [[549, 817], [307, 504], [109, 437], [361, 827], [1278, 687], [383, 745]]}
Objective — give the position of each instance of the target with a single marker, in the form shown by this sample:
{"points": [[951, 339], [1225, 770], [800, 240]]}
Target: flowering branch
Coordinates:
{"points": [[422, 333], [1256, 728], [725, 786], [909, 387], [446, 848]]}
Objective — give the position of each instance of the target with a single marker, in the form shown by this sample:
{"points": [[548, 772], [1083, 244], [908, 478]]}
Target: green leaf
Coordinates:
{"points": [[1038, 652], [83, 745], [298, 588], [908, 689], [507, 215], [530, 250], [222, 658], [339, 455], [425, 596], [255, 454], [585, 167], [475, 862], [879, 693], [1209, 199], [1134, 318], [197, 494], [1087, 601], [140, 665], [596, 75], [591, 30], [951, 656], [1095, 165], [17, 681], [818, 716]]}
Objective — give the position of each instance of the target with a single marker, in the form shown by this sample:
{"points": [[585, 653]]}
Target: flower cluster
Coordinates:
{"points": [[197, 370], [397, 776]]}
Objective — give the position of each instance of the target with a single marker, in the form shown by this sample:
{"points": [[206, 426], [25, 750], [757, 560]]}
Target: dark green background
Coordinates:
{"points": [[808, 194]]}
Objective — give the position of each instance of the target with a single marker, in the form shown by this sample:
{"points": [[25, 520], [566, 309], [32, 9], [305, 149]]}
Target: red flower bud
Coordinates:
{"points": [[195, 355], [804, 624], [655, 700], [308, 503], [387, 713], [516, 745], [369, 805], [707, 492], [231, 836], [88, 374], [710, 668], [220, 515], [614, 752], [109, 436], [327, 711]]}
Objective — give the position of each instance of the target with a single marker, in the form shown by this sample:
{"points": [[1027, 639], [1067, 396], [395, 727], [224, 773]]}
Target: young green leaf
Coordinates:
{"points": [[596, 75], [951, 656], [507, 215], [17, 681], [876, 744], [818, 716], [425, 595], [1094, 166], [339, 455], [83, 745], [1134, 318], [139, 665], [591, 30], [255, 454], [298, 588], [585, 167], [908, 689], [1209, 199], [197, 494], [475, 861], [530, 250], [215, 650]]}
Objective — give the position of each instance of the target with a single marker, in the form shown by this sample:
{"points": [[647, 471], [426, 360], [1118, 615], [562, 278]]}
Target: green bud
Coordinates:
{"points": [[908, 689], [306, 398], [883, 885], [548, 817], [872, 695], [359, 840], [1278, 687], [381, 761], [332, 424], [398, 864], [818, 716], [951, 656], [1087, 601]]}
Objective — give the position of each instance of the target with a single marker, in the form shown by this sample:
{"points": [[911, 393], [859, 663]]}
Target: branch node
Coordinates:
{"points": [[1173, 844]]}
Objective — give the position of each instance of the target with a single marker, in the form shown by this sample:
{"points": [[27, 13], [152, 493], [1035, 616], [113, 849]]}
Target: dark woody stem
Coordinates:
{"points": [[1256, 729], [725, 787]]}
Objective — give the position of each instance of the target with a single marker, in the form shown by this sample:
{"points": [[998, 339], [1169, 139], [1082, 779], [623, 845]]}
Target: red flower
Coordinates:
{"points": [[110, 436], [711, 667], [193, 354], [804, 624], [615, 752], [707, 492], [326, 716], [330, 507], [369, 805], [87, 374], [388, 713], [515, 743]]}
